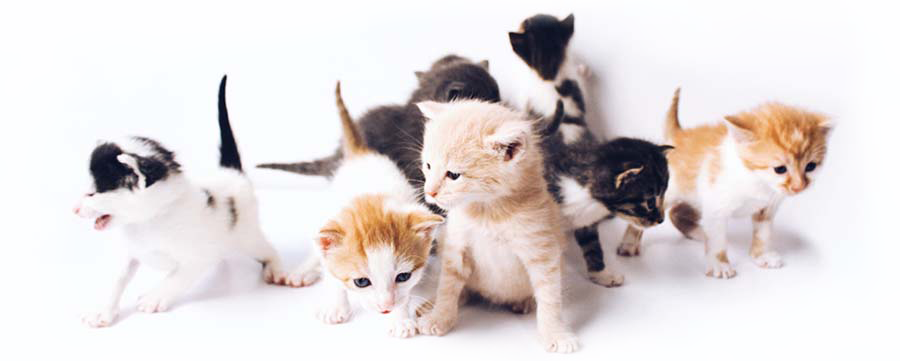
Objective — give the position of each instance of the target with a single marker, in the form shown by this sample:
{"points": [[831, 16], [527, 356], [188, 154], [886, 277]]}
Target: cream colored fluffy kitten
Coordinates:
{"points": [[743, 166], [504, 239], [376, 246]]}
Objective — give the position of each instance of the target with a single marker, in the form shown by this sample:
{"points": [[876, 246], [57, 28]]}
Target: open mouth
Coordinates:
{"points": [[101, 222]]}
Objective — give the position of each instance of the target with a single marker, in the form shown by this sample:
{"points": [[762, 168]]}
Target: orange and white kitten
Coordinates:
{"points": [[504, 237], [376, 246], [744, 166]]}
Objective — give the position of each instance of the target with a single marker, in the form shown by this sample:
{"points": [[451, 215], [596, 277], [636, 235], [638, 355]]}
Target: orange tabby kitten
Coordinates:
{"points": [[744, 166]]}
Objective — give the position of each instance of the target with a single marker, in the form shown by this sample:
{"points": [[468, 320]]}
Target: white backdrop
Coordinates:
{"points": [[75, 72]]}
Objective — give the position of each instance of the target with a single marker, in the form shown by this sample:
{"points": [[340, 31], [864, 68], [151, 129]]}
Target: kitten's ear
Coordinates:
{"points": [[420, 75], [568, 25], [627, 176], [484, 64], [665, 149], [825, 125], [132, 161], [425, 223], [509, 140], [454, 90], [739, 129], [519, 44], [329, 236], [431, 109]]}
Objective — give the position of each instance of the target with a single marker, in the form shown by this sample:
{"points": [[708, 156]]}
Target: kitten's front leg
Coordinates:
{"points": [[185, 275], [589, 241], [762, 255], [631, 242], [307, 274], [545, 272], [403, 325], [454, 273], [717, 264], [336, 308], [108, 313]]}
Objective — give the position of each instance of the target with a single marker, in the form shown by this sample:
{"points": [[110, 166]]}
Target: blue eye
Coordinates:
{"points": [[452, 176], [403, 277], [811, 166], [781, 169], [362, 282]]}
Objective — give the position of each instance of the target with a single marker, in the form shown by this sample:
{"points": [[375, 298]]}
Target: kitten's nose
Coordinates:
{"points": [[432, 194]]}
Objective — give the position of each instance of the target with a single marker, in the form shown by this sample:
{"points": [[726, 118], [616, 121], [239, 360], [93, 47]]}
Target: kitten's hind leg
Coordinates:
{"points": [[631, 242], [589, 241], [307, 273], [263, 252]]}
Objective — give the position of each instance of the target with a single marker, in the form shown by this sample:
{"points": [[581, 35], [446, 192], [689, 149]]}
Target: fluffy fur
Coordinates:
{"points": [[377, 244], [504, 237], [744, 166], [169, 221]]}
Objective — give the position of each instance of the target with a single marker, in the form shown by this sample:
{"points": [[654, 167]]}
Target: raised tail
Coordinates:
{"points": [[320, 167], [228, 151], [353, 143], [673, 126]]}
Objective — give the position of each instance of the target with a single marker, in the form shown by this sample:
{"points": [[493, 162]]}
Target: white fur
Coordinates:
{"points": [[580, 208]]}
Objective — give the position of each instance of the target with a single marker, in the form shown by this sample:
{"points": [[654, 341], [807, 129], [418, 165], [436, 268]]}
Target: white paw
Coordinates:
{"points": [[629, 249], [152, 303], [561, 342], [435, 326], [302, 278], [607, 278], [333, 315], [719, 269], [273, 274], [768, 259], [523, 307], [99, 319], [583, 70], [403, 328]]}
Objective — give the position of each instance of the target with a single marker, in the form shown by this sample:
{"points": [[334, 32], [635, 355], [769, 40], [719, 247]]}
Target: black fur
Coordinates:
{"points": [[541, 43], [210, 199], [454, 77], [589, 241], [570, 89], [110, 174], [229, 156]]}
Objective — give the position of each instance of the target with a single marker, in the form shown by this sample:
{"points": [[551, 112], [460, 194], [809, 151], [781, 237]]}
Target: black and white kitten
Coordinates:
{"points": [[593, 182], [396, 130]]}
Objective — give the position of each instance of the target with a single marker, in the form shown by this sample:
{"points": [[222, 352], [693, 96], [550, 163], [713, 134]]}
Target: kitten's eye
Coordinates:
{"points": [[362, 282], [811, 166], [780, 169], [452, 176], [91, 194], [427, 165], [403, 277]]}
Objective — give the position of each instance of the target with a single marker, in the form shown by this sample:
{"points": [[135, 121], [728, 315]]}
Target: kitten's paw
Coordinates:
{"points": [[768, 259], [607, 278], [152, 303], [303, 278], [403, 328], [583, 70], [629, 249], [561, 342], [273, 274], [719, 269], [333, 315], [99, 319], [524, 307], [435, 326]]}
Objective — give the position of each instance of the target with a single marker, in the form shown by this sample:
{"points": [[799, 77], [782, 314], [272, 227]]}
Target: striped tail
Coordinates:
{"points": [[353, 143], [324, 167]]}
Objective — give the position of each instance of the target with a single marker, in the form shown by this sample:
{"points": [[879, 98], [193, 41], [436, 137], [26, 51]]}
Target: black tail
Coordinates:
{"points": [[320, 167], [558, 116], [230, 158]]}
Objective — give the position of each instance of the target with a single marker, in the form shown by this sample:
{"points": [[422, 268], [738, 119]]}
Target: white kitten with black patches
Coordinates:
{"points": [[171, 222]]}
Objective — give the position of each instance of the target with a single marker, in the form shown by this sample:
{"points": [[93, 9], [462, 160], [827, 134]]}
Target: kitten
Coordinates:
{"points": [[592, 182], [744, 166], [376, 246], [504, 237], [396, 130], [172, 222]]}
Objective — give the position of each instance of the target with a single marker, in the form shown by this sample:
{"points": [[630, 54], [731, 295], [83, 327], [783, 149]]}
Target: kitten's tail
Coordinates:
{"points": [[320, 167], [673, 126], [353, 143], [228, 151]]}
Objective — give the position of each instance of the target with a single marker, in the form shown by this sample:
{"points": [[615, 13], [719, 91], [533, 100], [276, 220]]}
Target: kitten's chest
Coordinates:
{"points": [[578, 206]]}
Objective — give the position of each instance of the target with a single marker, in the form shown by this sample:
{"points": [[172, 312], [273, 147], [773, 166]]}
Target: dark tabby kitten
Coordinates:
{"points": [[396, 130], [593, 182]]}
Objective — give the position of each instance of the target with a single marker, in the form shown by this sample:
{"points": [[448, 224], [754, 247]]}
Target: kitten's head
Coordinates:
{"points": [[126, 182], [476, 151], [631, 180], [541, 43], [453, 77], [783, 145], [378, 249]]}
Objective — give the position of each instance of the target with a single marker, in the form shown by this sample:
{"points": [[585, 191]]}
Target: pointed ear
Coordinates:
{"points": [[509, 140], [520, 45], [420, 75], [825, 126], [665, 149], [627, 176], [432, 109], [425, 223], [132, 161], [739, 129], [568, 25], [484, 64], [329, 236]]}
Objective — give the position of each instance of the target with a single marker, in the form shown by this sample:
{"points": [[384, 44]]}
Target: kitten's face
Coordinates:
{"points": [[541, 42], [122, 179], [457, 79], [470, 153], [378, 250], [783, 146], [634, 184]]}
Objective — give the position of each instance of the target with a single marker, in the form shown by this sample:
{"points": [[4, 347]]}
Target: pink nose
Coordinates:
{"points": [[384, 312], [77, 210], [432, 194]]}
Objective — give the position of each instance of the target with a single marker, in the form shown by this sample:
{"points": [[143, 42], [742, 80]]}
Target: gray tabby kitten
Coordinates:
{"points": [[592, 182]]}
